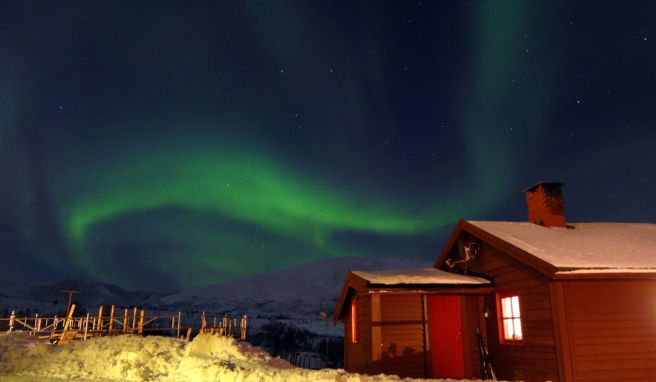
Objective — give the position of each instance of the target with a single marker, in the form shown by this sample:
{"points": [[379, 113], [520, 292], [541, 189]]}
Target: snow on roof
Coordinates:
{"points": [[607, 270], [586, 245], [418, 276]]}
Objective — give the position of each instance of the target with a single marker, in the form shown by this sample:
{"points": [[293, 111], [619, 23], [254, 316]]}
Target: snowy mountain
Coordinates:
{"points": [[296, 294], [283, 306], [49, 300]]}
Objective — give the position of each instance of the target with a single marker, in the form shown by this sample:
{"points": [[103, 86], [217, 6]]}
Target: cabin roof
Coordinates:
{"points": [[594, 246], [427, 280], [423, 276]]}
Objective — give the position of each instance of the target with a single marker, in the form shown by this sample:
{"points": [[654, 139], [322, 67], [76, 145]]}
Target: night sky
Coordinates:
{"points": [[163, 146]]}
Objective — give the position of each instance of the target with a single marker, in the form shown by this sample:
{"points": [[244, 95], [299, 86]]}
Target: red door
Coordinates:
{"points": [[446, 337]]}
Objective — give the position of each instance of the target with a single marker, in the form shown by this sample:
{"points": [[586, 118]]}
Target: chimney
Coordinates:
{"points": [[545, 204]]}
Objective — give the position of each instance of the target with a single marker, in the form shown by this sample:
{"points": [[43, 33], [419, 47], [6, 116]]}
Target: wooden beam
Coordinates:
{"points": [[86, 327], [125, 321], [111, 320], [141, 322], [134, 319], [99, 325], [561, 331], [376, 330], [601, 275]]}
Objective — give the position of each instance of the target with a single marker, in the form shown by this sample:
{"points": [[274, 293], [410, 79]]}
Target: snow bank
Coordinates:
{"points": [[132, 358]]}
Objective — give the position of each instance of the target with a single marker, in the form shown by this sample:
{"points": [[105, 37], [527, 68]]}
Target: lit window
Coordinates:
{"points": [[510, 327], [354, 321]]}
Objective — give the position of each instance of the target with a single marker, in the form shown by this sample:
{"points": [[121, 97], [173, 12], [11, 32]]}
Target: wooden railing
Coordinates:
{"points": [[131, 321]]}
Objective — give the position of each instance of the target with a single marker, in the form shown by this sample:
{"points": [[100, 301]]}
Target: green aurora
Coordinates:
{"points": [[246, 187], [210, 141]]}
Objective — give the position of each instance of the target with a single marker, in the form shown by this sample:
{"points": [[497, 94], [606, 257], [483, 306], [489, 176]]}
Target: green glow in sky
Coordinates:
{"points": [[300, 213], [244, 186]]}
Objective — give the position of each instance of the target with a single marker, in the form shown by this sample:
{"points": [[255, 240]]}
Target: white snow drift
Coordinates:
{"points": [[133, 358]]}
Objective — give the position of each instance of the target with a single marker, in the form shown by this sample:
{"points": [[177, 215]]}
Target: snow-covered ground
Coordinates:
{"points": [[132, 358]]}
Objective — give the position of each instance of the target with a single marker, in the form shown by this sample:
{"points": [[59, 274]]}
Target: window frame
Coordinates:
{"points": [[354, 321], [501, 318]]}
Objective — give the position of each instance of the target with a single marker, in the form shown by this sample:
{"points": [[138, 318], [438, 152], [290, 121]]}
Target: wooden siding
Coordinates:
{"points": [[402, 336], [535, 358], [357, 356], [612, 329], [472, 310]]}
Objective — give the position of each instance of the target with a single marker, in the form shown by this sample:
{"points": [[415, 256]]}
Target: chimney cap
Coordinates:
{"points": [[533, 187]]}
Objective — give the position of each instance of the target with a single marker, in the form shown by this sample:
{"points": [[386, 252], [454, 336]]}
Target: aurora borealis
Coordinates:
{"points": [[171, 145]]}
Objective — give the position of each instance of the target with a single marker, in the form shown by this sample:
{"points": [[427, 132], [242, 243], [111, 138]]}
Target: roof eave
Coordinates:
{"points": [[516, 253], [351, 281], [601, 275]]}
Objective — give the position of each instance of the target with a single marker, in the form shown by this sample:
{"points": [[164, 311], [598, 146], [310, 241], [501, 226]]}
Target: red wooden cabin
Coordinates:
{"points": [[388, 316], [566, 302]]}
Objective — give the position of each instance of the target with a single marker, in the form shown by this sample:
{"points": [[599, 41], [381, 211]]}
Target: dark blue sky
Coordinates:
{"points": [[163, 145]]}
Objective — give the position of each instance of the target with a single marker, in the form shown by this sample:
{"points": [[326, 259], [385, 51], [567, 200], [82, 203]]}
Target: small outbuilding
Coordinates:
{"points": [[388, 315], [554, 302]]}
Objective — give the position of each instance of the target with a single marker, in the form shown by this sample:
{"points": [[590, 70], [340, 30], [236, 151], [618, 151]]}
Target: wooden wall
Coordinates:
{"points": [[402, 336], [471, 314], [611, 329], [535, 358], [357, 356]]}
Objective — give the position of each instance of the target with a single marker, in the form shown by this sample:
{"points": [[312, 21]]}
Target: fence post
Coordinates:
{"points": [[141, 322], [134, 319], [125, 321], [55, 321], [100, 320], [243, 326], [111, 320], [12, 318], [86, 327], [188, 333], [69, 318], [179, 316]]}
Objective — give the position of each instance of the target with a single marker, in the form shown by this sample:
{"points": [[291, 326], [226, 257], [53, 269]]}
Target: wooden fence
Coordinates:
{"points": [[130, 321]]}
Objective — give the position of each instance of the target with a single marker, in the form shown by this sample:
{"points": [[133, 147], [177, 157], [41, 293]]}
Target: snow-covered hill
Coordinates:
{"points": [[49, 300], [284, 306], [296, 294]]}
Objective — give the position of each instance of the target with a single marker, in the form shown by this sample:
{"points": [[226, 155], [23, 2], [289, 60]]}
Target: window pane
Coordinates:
{"points": [[511, 323], [515, 306], [517, 325], [506, 307], [508, 329]]}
